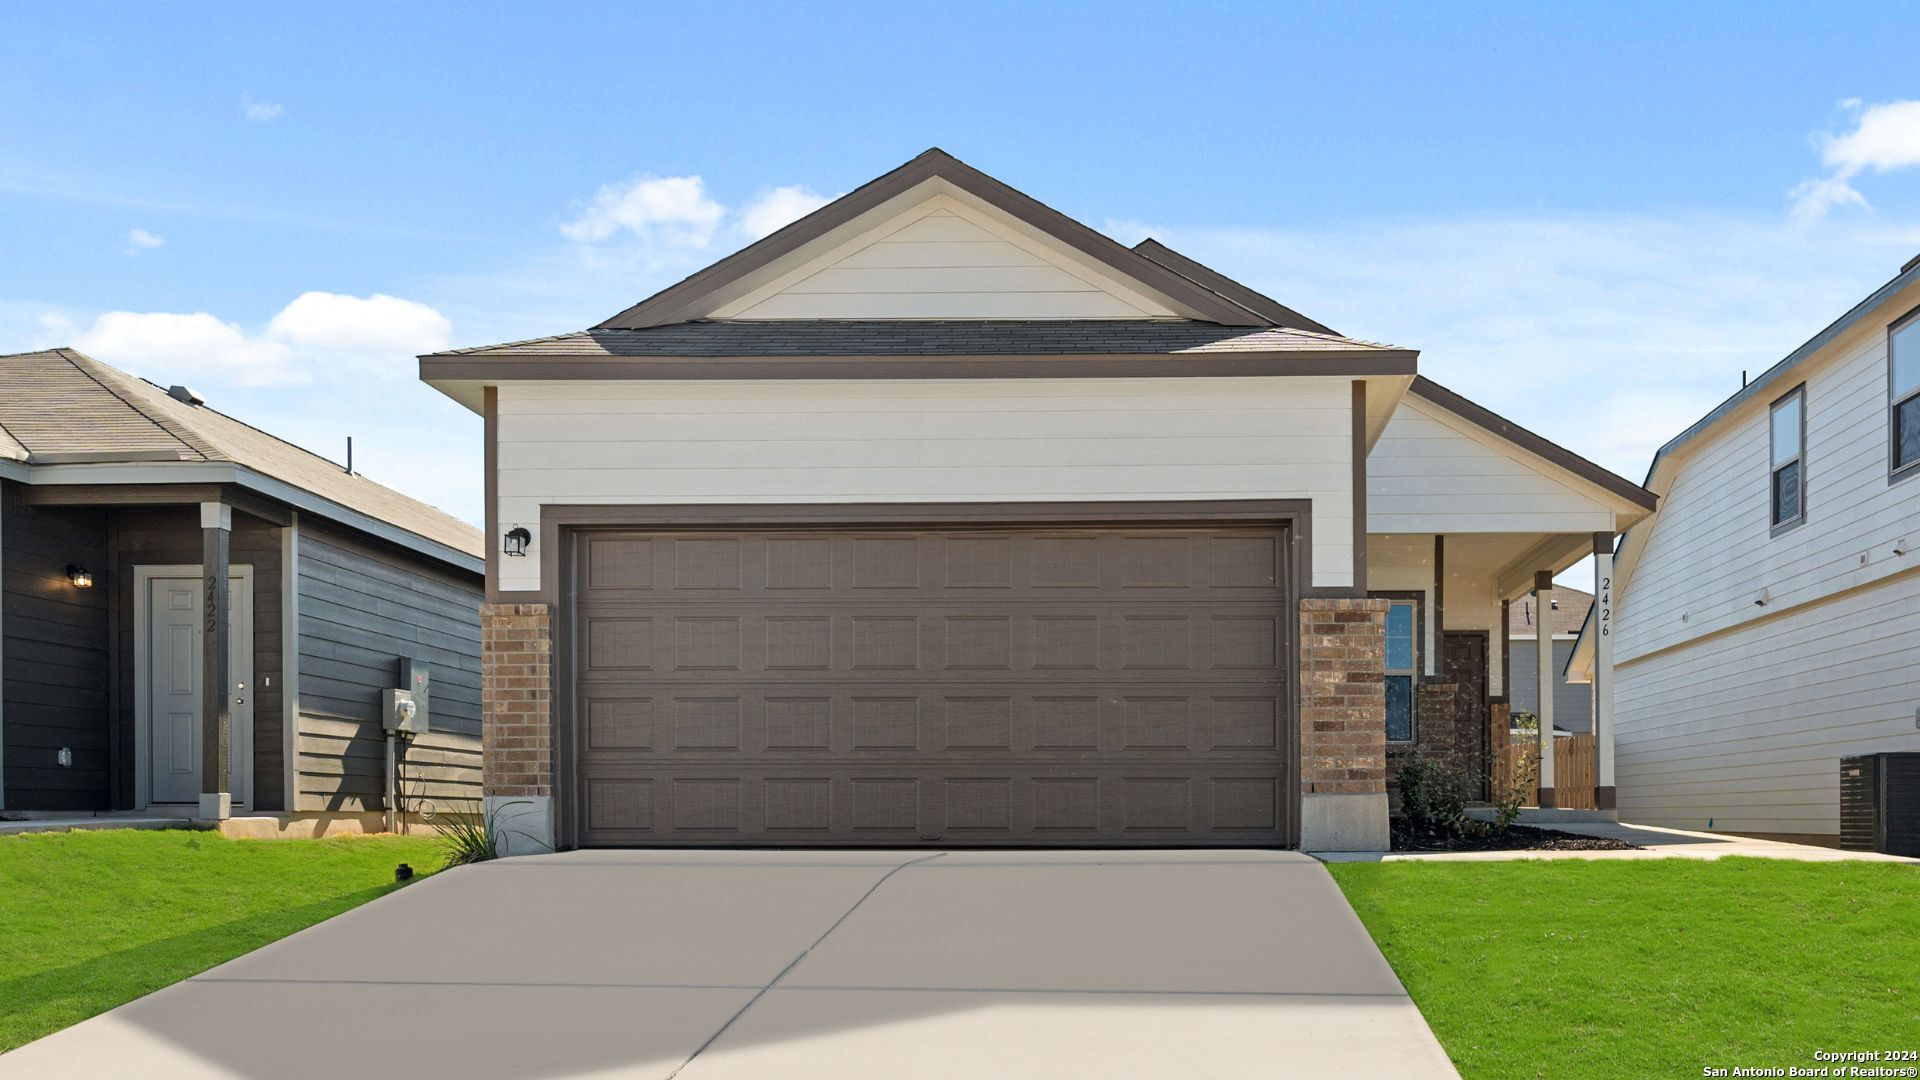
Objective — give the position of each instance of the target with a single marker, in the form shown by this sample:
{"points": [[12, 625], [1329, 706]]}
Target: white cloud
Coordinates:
{"points": [[673, 209], [778, 207], [377, 325], [259, 110], [140, 239], [164, 347], [1884, 137], [320, 336]]}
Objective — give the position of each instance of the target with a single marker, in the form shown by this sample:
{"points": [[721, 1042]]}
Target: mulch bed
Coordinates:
{"points": [[1516, 838]]}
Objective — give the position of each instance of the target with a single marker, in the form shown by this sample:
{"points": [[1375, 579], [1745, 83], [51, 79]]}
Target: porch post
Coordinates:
{"points": [[216, 678], [1603, 789], [1543, 651]]}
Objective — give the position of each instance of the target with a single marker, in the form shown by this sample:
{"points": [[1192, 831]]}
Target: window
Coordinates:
{"points": [[1403, 623], [1903, 392], [1789, 458]]}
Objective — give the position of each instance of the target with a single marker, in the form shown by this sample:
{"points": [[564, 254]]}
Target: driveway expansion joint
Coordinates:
{"points": [[742, 1011]]}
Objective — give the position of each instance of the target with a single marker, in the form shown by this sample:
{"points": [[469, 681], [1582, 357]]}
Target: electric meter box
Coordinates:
{"points": [[400, 715], [416, 679]]}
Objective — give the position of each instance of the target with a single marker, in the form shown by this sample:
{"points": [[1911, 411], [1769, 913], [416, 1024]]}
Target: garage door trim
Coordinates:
{"points": [[562, 527]]}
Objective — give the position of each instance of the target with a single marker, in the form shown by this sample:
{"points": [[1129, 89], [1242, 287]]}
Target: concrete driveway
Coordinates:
{"points": [[706, 965]]}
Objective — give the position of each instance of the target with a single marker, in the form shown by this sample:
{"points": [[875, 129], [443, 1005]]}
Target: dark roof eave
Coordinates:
{"points": [[1770, 378], [1356, 363], [1532, 443]]}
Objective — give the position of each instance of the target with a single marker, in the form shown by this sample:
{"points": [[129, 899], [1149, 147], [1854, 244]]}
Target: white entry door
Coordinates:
{"points": [[171, 686]]}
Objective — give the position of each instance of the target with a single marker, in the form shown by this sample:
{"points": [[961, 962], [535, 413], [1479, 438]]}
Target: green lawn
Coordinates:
{"points": [[1651, 968], [89, 920]]}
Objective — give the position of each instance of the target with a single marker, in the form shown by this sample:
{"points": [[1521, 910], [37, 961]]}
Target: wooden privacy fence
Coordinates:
{"points": [[1516, 761]]}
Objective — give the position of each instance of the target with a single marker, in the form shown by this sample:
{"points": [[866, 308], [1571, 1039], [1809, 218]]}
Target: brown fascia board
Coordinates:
{"points": [[1208, 278], [1338, 362], [681, 301], [1532, 443]]}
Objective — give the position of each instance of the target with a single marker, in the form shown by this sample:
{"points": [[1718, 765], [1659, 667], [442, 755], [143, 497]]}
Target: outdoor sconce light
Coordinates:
{"points": [[517, 540], [81, 577]]}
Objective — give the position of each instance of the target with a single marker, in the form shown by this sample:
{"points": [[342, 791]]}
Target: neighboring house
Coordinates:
{"points": [[937, 517], [1572, 702], [120, 502], [1769, 616]]}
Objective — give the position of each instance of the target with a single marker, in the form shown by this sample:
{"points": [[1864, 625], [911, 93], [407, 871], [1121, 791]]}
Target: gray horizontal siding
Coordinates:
{"points": [[363, 607], [1572, 702], [55, 674]]}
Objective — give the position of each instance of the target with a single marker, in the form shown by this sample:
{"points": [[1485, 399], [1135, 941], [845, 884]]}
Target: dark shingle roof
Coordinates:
{"points": [[1570, 612], [60, 403], [925, 337]]}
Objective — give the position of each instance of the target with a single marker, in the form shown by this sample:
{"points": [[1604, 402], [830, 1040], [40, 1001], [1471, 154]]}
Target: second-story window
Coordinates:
{"points": [[1903, 367], [1789, 458]]}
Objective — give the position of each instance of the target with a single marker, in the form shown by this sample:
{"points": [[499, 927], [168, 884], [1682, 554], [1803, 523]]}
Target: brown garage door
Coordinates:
{"points": [[953, 686]]}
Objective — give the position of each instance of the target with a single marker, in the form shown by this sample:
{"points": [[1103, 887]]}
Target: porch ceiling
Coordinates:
{"points": [[1507, 560]]}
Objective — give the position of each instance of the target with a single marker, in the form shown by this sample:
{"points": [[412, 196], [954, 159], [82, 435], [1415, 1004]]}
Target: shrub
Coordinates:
{"points": [[472, 837], [1434, 793]]}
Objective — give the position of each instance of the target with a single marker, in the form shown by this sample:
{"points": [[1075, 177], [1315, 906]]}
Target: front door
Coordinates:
{"points": [[1463, 659], [172, 684]]}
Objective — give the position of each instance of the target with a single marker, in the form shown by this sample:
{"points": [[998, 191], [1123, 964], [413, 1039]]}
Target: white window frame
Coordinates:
{"points": [[1412, 674], [1797, 395]]}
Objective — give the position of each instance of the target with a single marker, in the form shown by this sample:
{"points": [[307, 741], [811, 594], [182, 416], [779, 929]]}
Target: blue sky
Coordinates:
{"points": [[1590, 220]]}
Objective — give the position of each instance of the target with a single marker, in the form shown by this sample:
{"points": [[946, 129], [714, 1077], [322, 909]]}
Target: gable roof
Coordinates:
{"points": [[62, 407], [1496, 424], [1207, 277], [928, 337], [689, 298], [1568, 613]]}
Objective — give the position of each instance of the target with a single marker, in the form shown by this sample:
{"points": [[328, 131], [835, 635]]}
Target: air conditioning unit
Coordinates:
{"points": [[1880, 803]]}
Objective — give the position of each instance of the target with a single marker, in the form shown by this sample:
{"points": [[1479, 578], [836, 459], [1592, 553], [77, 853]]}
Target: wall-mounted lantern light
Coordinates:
{"points": [[81, 577], [517, 539]]}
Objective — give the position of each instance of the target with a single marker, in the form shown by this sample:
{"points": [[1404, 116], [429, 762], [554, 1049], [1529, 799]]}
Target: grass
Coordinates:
{"points": [[1648, 967], [90, 920]]}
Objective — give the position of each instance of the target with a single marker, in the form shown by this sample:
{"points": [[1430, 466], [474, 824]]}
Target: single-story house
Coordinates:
{"points": [[1769, 614], [153, 548], [1563, 615], [938, 517]]}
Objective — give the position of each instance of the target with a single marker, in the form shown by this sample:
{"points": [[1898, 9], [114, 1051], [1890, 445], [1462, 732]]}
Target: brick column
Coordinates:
{"points": [[1343, 715], [516, 722]]}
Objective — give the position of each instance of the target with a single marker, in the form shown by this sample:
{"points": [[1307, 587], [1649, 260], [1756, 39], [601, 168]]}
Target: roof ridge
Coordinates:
{"points": [[87, 365], [257, 430]]}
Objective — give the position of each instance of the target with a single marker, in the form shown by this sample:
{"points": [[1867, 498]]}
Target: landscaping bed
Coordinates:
{"points": [[1512, 838], [95, 919]]}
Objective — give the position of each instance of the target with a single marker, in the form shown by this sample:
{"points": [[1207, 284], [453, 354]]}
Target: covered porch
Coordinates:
{"points": [[1467, 514]]}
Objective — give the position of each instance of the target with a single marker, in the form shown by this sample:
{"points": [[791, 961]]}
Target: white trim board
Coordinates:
{"points": [[290, 663], [240, 576]]}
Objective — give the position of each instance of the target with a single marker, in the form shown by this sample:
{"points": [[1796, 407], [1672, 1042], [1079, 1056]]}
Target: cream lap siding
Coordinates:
{"points": [[942, 258], [1747, 729], [980, 440], [1709, 553], [1433, 473]]}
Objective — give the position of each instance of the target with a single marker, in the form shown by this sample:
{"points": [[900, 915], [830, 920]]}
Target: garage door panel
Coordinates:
{"points": [[893, 805], [1038, 563], [955, 720], [669, 640], [895, 687]]}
